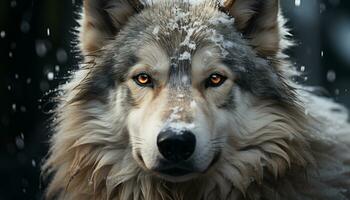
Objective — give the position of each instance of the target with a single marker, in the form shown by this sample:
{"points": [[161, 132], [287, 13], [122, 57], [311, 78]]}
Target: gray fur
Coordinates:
{"points": [[262, 144]]}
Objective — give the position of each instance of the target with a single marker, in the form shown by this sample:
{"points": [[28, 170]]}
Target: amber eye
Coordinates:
{"points": [[215, 80], [143, 79]]}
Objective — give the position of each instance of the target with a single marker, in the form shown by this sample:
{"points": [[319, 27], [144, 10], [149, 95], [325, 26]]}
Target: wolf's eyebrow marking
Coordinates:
{"points": [[206, 57], [229, 62], [132, 60], [154, 56]]}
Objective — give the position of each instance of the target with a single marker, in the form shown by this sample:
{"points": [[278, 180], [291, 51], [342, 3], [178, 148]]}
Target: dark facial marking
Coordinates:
{"points": [[229, 102], [257, 76]]}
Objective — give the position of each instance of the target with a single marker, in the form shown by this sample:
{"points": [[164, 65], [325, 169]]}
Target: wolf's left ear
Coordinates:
{"points": [[258, 21], [102, 20]]}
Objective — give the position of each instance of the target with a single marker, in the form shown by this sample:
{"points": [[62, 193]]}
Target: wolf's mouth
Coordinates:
{"points": [[180, 170], [183, 169], [175, 171]]}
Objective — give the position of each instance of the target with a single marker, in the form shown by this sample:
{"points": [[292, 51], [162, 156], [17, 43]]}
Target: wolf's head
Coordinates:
{"points": [[188, 88], [188, 75]]}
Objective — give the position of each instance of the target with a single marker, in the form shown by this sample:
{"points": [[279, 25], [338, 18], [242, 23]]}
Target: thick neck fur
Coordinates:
{"points": [[90, 162]]}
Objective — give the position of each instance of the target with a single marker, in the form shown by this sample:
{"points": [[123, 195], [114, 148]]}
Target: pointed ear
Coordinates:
{"points": [[258, 21], [102, 20]]}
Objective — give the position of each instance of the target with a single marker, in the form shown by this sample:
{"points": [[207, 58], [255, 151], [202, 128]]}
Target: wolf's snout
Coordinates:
{"points": [[176, 146]]}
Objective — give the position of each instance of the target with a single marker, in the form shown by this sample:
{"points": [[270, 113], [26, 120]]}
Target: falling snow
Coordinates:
{"points": [[28, 80], [57, 68], [23, 109], [61, 56], [33, 163], [13, 3], [322, 7], [19, 141], [40, 48], [14, 107], [337, 92], [297, 3], [331, 75], [50, 76], [25, 26], [2, 34]]}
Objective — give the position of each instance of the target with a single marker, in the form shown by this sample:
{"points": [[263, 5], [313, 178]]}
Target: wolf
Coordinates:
{"points": [[193, 99]]}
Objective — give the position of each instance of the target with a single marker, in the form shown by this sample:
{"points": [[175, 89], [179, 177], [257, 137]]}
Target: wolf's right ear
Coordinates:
{"points": [[259, 22], [102, 20]]}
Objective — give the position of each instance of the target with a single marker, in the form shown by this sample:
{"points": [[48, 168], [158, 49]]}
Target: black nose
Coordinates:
{"points": [[176, 146]]}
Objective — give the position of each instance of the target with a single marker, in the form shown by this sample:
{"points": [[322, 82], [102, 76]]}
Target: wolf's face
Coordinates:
{"points": [[179, 109], [196, 81], [181, 92]]}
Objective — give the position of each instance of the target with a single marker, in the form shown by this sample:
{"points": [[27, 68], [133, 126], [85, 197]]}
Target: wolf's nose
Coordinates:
{"points": [[176, 146]]}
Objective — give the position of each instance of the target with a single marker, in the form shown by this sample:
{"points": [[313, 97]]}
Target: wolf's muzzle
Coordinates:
{"points": [[176, 146]]}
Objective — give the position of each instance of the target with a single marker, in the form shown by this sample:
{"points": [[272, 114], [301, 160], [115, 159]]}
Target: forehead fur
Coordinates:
{"points": [[180, 30]]}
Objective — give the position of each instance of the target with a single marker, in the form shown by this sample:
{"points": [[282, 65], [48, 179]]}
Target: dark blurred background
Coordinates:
{"points": [[37, 53]]}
